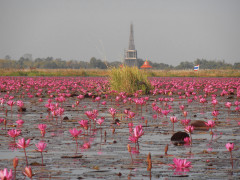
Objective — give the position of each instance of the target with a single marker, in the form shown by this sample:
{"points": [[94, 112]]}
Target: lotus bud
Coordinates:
{"points": [[166, 149], [15, 162], [129, 148], [28, 172]]}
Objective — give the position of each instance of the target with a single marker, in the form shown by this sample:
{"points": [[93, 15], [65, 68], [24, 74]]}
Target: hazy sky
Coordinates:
{"points": [[167, 31]]}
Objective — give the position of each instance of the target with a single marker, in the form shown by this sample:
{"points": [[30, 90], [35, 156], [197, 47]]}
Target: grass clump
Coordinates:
{"points": [[129, 80]]}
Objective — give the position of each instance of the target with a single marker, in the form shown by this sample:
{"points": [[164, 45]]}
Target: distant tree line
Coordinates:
{"points": [[51, 63]]}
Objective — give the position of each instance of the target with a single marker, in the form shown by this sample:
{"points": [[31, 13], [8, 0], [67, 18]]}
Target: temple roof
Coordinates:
{"points": [[146, 65]]}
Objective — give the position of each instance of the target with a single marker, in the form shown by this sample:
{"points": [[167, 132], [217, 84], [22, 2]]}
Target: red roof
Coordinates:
{"points": [[146, 65]]}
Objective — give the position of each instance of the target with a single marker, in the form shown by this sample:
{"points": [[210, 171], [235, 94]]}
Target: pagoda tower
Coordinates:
{"points": [[131, 54]]}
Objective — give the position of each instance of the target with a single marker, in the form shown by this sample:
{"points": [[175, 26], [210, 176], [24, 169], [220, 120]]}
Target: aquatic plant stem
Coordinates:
{"points": [[231, 158], [190, 138], [25, 156], [15, 172], [131, 156], [5, 124], [130, 151], [42, 158], [76, 145], [211, 134]]}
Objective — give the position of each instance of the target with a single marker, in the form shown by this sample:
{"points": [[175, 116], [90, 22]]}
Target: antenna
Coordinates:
{"points": [[102, 52]]}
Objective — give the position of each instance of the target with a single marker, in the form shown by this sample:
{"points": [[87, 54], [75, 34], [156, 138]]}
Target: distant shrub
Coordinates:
{"points": [[129, 80], [19, 73]]}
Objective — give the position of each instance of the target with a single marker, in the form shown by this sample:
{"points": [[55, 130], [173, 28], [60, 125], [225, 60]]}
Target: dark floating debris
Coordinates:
{"points": [[119, 174], [73, 95], [65, 118], [22, 109], [178, 138], [117, 121], [230, 97], [36, 164], [199, 125], [73, 157]]}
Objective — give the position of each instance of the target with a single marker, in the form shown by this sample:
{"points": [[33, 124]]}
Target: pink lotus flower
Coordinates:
{"points": [[189, 101], [1, 120], [185, 122], [100, 121], [20, 104], [138, 131], [130, 125], [89, 114], [214, 102], [202, 100], [230, 146], [215, 113], [173, 119], [11, 103], [181, 107], [228, 105], [24, 144], [154, 116], [2, 101], [133, 139], [41, 146], [20, 122], [5, 175], [74, 132], [86, 145], [84, 124], [189, 129], [237, 108], [165, 112], [14, 133], [180, 163], [80, 96], [131, 114], [112, 111], [104, 103], [95, 113], [42, 128], [134, 150], [210, 123], [187, 140], [60, 111]]}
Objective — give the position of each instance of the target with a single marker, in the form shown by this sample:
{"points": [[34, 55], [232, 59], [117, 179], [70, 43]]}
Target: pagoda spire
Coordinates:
{"points": [[131, 39], [131, 53]]}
